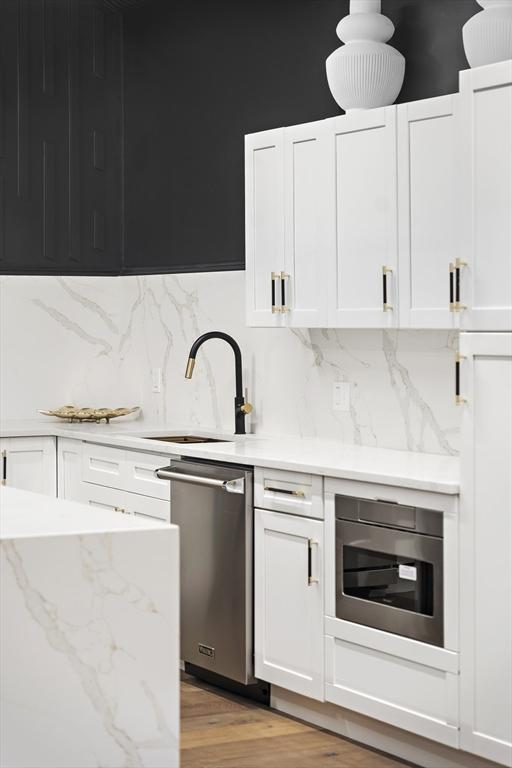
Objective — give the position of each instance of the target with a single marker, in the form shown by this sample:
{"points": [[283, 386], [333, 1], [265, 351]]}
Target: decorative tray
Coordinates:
{"points": [[72, 414]]}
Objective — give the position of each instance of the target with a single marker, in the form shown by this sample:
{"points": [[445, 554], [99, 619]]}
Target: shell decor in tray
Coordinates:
{"points": [[72, 413]]}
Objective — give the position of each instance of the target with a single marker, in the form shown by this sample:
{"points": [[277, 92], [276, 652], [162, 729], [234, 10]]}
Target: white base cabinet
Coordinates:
{"points": [[123, 501], [288, 610], [69, 468], [113, 478], [486, 546], [29, 463], [395, 690]]}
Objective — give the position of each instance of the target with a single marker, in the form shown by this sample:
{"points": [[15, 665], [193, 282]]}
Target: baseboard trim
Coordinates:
{"points": [[401, 744]]}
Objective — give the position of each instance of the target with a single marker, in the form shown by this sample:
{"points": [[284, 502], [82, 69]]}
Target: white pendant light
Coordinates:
{"points": [[365, 72], [488, 35]]}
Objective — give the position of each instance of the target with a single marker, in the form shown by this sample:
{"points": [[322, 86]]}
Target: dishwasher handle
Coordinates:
{"points": [[237, 485]]}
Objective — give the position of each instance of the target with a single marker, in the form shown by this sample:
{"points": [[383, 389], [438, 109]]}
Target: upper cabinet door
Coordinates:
{"points": [[264, 226], [427, 203], [306, 225], [363, 176], [486, 274]]}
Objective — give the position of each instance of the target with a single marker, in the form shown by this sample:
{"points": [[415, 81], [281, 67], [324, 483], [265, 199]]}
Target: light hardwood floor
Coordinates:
{"points": [[220, 730]]}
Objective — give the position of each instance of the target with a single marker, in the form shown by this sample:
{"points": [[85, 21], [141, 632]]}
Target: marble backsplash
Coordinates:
{"points": [[95, 340]]}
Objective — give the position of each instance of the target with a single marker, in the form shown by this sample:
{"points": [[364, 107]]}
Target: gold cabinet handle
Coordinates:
{"points": [[385, 272], [458, 398], [311, 579], [457, 305], [284, 278], [273, 277]]}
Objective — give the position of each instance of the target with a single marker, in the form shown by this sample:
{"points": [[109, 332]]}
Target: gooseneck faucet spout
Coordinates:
{"points": [[241, 407]]}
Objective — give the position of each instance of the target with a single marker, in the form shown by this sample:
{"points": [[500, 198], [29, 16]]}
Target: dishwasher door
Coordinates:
{"points": [[212, 505]]}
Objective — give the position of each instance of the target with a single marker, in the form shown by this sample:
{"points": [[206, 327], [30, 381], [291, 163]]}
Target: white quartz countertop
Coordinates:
{"points": [[31, 515], [328, 457]]}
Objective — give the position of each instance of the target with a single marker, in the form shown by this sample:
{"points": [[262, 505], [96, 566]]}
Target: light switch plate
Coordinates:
{"points": [[156, 376], [341, 396]]}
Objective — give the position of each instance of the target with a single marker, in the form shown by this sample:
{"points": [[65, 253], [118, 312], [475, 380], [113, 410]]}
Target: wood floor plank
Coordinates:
{"points": [[224, 731]]}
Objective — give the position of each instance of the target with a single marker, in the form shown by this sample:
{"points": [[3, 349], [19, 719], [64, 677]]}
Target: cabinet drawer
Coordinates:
{"points": [[131, 471], [295, 492], [397, 691], [124, 502]]}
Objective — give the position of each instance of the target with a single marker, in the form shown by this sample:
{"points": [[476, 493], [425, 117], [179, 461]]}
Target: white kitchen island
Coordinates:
{"points": [[89, 637]]}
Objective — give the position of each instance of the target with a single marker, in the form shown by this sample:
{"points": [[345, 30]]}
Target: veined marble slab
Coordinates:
{"points": [[111, 333], [89, 637]]}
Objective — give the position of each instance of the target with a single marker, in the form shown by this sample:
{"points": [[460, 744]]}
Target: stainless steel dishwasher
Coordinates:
{"points": [[213, 506]]}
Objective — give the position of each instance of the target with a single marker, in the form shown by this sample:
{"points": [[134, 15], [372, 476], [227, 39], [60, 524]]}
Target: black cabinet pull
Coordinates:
{"points": [[4, 467], [452, 300], [458, 266], [385, 272], [286, 491], [273, 277], [458, 398], [284, 277]]}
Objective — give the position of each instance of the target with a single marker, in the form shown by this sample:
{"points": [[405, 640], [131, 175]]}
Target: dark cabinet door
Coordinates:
{"points": [[60, 137]]}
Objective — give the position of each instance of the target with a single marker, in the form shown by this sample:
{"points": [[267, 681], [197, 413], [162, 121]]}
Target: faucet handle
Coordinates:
{"points": [[246, 408]]}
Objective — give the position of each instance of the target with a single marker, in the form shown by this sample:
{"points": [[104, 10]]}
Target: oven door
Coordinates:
{"points": [[390, 579]]}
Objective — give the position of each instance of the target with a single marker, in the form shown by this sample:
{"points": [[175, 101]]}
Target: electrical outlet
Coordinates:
{"points": [[341, 396], [156, 376]]}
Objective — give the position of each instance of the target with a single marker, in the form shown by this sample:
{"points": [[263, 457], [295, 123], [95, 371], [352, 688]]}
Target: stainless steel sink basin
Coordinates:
{"points": [[186, 439]]}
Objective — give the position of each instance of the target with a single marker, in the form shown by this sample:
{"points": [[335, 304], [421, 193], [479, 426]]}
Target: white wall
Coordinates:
{"points": [[94, 341]]}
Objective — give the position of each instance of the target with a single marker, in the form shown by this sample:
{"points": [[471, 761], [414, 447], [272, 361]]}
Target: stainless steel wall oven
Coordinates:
{"points": [[389, 567]]}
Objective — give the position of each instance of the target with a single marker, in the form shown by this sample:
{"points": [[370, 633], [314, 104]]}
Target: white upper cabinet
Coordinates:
{"points": [[287, 230], [391, 217], [306, 226], [362, 179], [428, 135], [486, 276], [264, 226]]}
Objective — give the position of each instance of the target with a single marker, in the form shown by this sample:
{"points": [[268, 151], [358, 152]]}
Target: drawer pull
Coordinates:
{"points": [[286, 491], [4, 467], [458, 306]]}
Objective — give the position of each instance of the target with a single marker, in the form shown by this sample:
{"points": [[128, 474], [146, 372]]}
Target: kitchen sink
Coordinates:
{"points": [[187, 439]]}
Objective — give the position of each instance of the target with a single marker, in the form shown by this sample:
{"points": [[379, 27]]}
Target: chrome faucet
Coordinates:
{"points": [[241, 407]]}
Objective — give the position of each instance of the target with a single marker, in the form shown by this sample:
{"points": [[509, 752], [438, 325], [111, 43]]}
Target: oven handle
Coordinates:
{"points": [[237, 485]]}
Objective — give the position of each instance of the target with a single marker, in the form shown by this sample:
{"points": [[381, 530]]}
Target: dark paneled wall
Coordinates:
{"points": [[198, 75], [201, 73], [61, 136]]}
